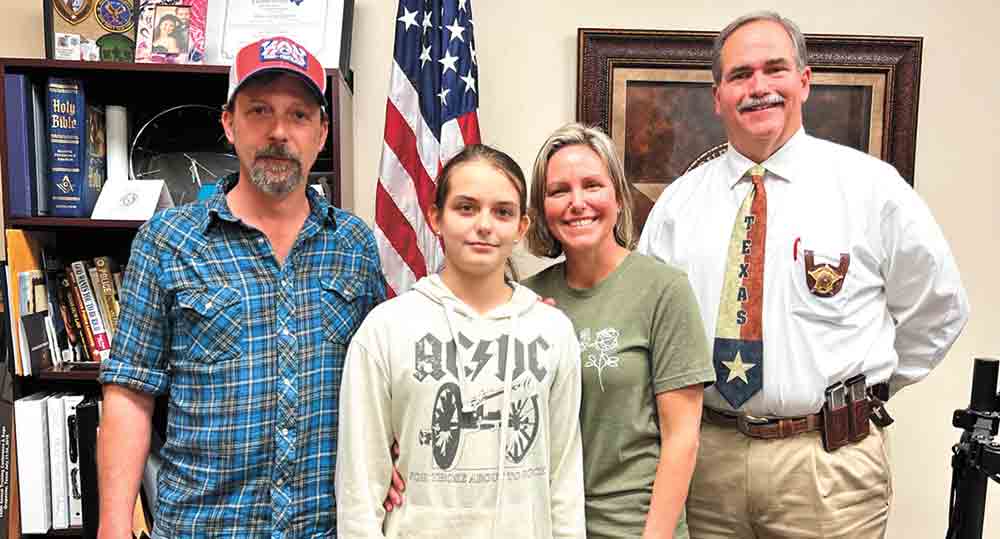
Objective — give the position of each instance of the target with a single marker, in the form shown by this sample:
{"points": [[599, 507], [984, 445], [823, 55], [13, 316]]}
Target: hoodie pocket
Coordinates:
{"points": [[429, 522]]}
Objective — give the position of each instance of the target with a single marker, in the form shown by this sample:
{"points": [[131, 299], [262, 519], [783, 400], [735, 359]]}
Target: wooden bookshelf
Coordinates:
{"points": [[145, 90], [55, 224], [74, 373]]}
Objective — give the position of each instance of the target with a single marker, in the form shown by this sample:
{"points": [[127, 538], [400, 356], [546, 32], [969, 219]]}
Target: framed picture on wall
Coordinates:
{"points": [[652, 92]]}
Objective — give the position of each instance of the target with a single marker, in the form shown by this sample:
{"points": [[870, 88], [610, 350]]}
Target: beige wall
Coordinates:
{"points": [[527, 54], [527, 59]]}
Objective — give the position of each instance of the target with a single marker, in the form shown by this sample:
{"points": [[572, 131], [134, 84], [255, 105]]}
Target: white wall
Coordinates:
{"points": [[527, 55]]}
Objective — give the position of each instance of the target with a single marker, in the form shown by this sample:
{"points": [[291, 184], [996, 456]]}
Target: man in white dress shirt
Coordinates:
{"points": [[857, 280]]}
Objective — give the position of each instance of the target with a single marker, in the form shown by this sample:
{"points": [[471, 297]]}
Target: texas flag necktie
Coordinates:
{"points": [[738, 352]]}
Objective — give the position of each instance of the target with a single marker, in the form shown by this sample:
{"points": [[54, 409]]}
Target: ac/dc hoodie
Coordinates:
{"points": [[486, 412]]}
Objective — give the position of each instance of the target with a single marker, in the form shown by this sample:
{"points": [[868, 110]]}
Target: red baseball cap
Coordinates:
{"points": [[277, 53]]}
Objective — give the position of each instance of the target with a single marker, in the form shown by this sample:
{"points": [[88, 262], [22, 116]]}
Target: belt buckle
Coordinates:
{"points": [[744, 422]]}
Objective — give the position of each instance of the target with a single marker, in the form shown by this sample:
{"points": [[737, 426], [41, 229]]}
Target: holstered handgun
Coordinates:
{"points": [[878, 395], [836, 418]]}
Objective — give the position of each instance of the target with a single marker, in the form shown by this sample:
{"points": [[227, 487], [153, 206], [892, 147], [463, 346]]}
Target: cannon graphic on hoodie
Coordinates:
{"points": [[449, 418]]}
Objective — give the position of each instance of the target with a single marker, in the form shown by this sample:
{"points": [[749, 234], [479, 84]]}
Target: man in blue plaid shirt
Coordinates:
{"points": [[240, 308]]}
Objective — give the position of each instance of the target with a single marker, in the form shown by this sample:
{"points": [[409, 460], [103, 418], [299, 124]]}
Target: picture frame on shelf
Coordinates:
{"points": [[171, 31]]}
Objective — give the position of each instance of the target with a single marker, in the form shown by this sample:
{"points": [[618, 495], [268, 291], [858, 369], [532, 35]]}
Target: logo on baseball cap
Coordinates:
{"points": [[277, 54]]}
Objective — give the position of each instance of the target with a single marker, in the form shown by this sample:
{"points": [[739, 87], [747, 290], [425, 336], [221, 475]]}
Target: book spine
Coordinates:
{"points": [[40, 132], [70, 316], [67, 121], [96, 159], [57, 462], [102, 304], [102, 342], [74, 490], [16, 115], [7, 464], [8, 479], [81, 313], [88, 418], [31, 423], [107, 288]]}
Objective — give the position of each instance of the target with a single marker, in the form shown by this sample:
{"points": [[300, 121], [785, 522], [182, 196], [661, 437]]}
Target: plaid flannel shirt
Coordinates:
{"points": [[250, 353]]}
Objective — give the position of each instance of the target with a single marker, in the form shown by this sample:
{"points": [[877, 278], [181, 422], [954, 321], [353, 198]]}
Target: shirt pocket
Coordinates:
{"points": [[344, 299], [819, 291], [210, 324]]}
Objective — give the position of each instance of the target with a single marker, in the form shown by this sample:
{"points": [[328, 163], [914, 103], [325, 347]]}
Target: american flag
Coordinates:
{"points": [[430, 115]]}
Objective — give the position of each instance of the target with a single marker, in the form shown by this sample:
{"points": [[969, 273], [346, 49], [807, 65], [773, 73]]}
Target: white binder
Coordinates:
{"points": [[31, 432]]}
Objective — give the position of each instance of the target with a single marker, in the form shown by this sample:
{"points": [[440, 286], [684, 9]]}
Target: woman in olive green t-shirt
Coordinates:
{"points": [[643, 347]]}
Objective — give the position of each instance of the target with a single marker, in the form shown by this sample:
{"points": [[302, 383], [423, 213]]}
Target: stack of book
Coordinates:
{"points": [[60, 313]]}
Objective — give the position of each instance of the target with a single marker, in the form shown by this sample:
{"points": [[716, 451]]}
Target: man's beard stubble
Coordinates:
{"points": [[278, 180]]}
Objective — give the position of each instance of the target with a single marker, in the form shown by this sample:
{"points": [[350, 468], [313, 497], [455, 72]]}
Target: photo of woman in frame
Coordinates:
{"points": [[169, 31]]}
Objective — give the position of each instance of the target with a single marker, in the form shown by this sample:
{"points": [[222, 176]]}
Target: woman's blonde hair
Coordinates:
{"points": [[540, 240]]}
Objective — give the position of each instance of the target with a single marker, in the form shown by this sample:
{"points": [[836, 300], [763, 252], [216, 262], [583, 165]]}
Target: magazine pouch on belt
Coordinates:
{"points": [[836, 418], [857, 399]]}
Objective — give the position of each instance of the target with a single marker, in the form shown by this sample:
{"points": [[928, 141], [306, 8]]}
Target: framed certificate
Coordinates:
{"points": [[322, 26]]}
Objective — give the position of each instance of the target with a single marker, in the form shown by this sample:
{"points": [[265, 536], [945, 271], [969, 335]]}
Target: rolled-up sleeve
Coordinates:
{"points": [[138, 350]]}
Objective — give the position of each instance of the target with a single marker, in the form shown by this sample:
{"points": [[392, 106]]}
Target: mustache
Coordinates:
{"points": [[767, 100], [276, 151]]}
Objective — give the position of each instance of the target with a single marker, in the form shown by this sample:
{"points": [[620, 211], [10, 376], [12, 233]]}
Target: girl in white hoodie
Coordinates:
{"points": [[477, 380]]}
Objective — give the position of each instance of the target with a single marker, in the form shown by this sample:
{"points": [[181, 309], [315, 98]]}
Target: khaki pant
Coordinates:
{"points": [[788, 488]]}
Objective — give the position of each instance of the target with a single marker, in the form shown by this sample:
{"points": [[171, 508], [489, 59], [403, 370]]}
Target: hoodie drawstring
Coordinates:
{"points": [[504, 423], [449, 312]]}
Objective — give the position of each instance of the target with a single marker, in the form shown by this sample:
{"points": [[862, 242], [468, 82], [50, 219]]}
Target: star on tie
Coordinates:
{"points": [[444, 96], [409, 18], [738, 369], [472, 52]]}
